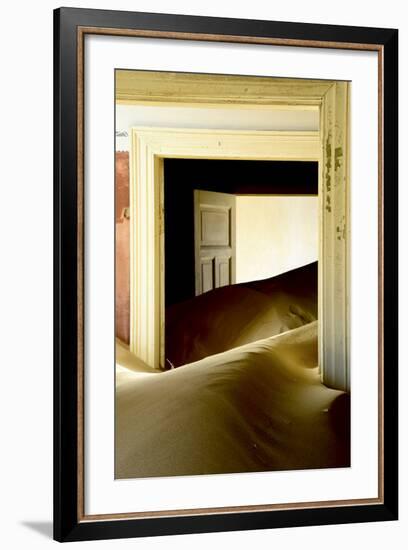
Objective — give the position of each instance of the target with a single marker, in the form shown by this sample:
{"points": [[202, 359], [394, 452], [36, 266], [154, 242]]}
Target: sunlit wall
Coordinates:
{"points": [[274, 234]]}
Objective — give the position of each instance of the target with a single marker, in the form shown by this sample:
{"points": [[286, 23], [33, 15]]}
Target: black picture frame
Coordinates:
{"points": [[67, 332]]}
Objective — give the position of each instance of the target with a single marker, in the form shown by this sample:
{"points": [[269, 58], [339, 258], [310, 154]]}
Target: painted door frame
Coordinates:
{"points": [[329, 146]]}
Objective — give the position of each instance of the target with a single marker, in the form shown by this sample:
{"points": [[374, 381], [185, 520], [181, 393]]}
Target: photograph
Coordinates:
{"points": [[229, 379]]}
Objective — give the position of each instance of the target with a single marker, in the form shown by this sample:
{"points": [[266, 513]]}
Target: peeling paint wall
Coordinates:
{"points": [[122, 288]]}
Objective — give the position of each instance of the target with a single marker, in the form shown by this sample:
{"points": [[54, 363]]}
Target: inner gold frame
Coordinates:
{"points": [[82, 31]]}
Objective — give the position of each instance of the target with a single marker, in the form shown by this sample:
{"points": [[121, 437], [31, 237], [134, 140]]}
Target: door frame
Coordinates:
{"points": [[329, 146]]}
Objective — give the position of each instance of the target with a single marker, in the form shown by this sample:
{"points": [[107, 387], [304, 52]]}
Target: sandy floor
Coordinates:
{"points": [[238, 314], [257, 407]]}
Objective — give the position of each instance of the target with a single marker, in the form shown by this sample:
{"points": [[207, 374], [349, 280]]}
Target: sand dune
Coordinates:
{"points": [[257, 407], [238, 314], [246, 395]]}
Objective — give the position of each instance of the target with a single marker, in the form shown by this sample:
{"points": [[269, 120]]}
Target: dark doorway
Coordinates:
{"points": [[239, 177]]}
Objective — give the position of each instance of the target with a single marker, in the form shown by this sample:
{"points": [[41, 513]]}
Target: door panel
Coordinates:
{"points": [[215, 224], [222, 271], [214, 237], [207, 274]]}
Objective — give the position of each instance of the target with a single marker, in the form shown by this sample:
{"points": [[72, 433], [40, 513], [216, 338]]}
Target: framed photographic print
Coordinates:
{"points": [[225, 274]]}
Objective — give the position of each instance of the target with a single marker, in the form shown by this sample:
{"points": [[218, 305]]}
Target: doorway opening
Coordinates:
{"points": [[241, 253]]}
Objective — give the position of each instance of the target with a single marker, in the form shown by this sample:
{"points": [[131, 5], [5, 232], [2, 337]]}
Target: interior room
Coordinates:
{"points": [[237, 386]]}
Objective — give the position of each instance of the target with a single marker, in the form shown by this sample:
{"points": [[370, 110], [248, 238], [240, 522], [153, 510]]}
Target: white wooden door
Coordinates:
{"points": [[214, 238]]}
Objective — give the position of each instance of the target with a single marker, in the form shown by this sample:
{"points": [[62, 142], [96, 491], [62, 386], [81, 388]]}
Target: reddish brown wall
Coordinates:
{"points": [[122, 311]]}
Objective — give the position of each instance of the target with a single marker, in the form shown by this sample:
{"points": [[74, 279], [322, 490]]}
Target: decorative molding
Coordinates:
{"points": [[335, 241], [157, 87], [148, 148]]}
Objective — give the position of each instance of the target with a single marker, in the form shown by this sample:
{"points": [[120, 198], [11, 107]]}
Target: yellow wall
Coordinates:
{"points": [[201, 117], [275, 234]]}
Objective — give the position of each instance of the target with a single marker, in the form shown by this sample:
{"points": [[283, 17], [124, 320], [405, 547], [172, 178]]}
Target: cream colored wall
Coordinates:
{"points": [[215, 117], [275, 234]]}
